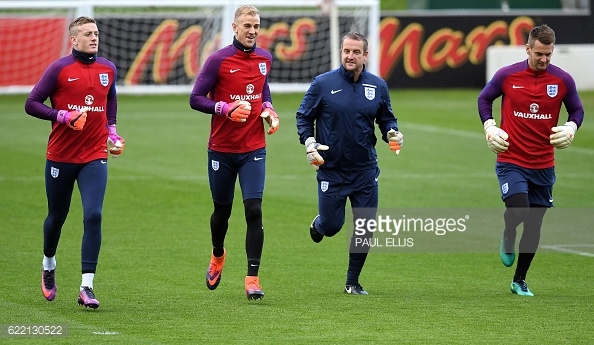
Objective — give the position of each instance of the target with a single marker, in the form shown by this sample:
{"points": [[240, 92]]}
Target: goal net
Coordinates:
{"points": [[32, 35], [160, 46]]}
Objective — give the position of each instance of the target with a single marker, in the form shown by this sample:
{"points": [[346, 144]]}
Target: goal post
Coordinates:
{"points": [[159, 46]]}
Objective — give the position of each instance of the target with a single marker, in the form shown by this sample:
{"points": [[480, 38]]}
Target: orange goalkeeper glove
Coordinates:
{"points": [[237, 111], [74, 119]]}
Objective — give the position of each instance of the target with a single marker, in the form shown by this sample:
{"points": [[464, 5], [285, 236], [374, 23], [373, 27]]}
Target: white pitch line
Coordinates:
{"points": [[457, 132], [479, 134], [105, 333], [580, 150], [562, 248]]}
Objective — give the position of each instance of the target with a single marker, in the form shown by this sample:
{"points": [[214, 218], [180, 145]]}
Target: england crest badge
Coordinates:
{"points": [[369, 93], [263, 68], [104, 79], [552, 90]]}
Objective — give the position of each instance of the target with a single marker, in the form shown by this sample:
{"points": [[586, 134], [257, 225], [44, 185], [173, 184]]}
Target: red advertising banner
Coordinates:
{"points": [[28, 46]]}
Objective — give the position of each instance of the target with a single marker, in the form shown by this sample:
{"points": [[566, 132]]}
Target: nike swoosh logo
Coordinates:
{"points": [[212, 279], [517, 87], [103, 162], [550, 200], [335, 91], [376, 179], [234, 70], [253, 265], [258, 158], [348, 290], [73, 79]]}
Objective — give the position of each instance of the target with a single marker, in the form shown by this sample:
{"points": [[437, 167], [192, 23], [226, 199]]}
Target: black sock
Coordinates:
{"points": [[530, 240], [219, 223], [253, 267], [356, 262], [524, 261], [218, 250], [515, 212], [254, 238]]}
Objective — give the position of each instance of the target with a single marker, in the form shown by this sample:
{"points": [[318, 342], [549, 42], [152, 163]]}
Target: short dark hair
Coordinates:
{"points": [[78, 22], [542, 33], [354, 35]]}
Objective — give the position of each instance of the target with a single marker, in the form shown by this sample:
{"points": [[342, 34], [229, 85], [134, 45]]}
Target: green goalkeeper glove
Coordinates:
{"points": [[496, 137], [563, 135], [313, 157]]}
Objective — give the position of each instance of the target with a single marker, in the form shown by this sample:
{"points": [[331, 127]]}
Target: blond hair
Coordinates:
{"points": [[246, 9], [73, 28]]}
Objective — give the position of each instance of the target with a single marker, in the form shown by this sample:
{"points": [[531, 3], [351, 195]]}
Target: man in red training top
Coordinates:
{"points": [[82, 93], [532, 91], [233, 87]]}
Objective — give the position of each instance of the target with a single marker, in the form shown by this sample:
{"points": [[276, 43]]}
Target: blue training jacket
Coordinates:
{"points": [[344, 112]]}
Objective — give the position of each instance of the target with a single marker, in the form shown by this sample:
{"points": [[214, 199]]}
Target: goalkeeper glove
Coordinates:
{"points": [[270, 116], [115, 143], [313, 157], [395, 139], [563, 135], [237, 111], [74, 119], [496, 137]]}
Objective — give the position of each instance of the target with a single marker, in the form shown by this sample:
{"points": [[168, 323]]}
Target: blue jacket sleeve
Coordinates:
{"points": [[308, 112], [386, 119]]}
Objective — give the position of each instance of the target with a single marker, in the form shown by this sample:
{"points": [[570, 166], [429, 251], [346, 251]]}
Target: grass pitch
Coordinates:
{"points": [[156, 241]]}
